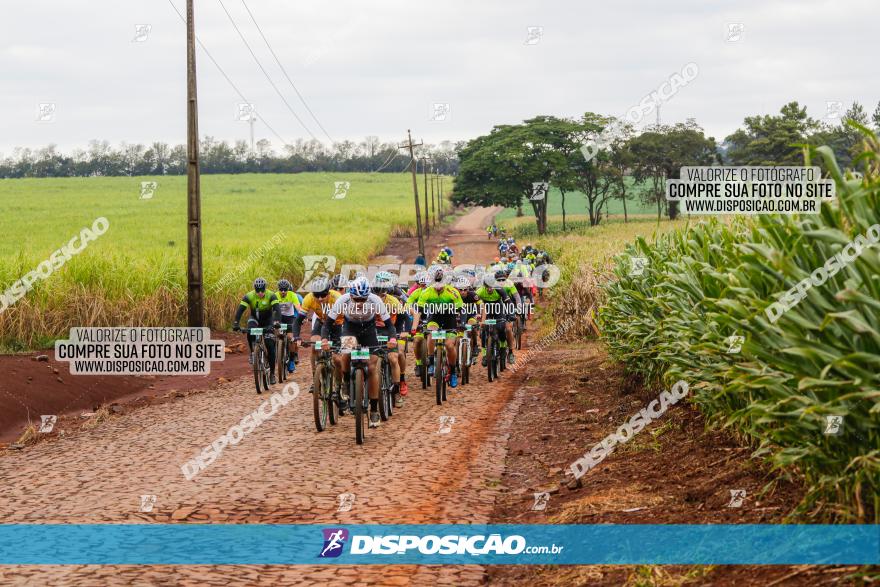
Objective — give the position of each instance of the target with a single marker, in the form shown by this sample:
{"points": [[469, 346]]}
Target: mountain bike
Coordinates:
{"points": [[325, 395], [517, 330], [358, 394], [260, 357], [386, 387], [426, 377], [441, 368], [464, 354], [492, 346], [282, 353]]}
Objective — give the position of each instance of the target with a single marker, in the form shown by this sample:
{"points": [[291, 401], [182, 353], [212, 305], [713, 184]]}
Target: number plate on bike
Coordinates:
{"points": [[490, 322], [382, 338], [438, 334], [360, 354], [282, 327], [256, 331], [318, 345], [467, 327]]}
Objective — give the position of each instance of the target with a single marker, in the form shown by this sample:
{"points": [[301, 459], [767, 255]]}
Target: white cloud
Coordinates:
{"points": [[374, 68]]}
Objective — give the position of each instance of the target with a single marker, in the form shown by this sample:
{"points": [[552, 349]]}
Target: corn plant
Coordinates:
{"points": [[821, 358]]}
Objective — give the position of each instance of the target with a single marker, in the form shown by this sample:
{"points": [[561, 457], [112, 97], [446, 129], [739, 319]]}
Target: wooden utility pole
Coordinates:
{"points": [[425, 174], [412, 157], [195, 289], [440, 197], [433, 207]]}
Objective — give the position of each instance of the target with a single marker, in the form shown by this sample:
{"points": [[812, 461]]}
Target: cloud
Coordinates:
{"points": [[375, 68]]}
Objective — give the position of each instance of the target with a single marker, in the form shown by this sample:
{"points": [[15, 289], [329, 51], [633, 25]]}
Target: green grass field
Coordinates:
{"points": [[135, 272], [576, 203]]}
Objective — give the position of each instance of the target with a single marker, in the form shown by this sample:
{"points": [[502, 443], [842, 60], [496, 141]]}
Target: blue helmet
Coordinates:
{"points": [[359, 288]]}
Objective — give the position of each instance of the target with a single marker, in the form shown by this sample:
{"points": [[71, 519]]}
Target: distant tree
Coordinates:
{"points": [[772, 140]]}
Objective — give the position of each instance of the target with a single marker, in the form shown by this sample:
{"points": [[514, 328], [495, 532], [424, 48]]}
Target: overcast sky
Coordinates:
{"points": [[376, 68]]}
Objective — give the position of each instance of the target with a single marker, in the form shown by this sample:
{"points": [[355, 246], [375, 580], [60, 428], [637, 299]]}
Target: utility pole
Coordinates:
{"points": [[440, 197], [425, 174], [433, 207], [195, 289], [409, 145]]}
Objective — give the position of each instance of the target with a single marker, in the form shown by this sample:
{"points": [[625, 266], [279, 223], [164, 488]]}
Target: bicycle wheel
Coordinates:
{"points": [[320, 399], [426, 378], [281, 355], [502, 357], [330, 385], [464, 360], [439, 371], [256, 359], [359, 413], [490, 357], [390, 386], [518, 334], [384, 392], [267, 368]]}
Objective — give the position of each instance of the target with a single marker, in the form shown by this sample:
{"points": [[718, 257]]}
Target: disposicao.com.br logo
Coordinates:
{"points": [[450, 544]]}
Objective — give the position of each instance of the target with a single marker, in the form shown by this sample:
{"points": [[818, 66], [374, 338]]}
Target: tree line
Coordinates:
{"points": [[601, 158], [215, 156]]}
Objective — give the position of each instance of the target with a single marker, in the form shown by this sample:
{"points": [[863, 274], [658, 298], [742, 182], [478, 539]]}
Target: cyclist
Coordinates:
{"points": [[338, 283], [289, 306], [263, 305], [418, 286], [495, 297], [314, 306], [383, 286], [521, 277], [442, 258], [465, 286], [363, 314], [441, 304]]}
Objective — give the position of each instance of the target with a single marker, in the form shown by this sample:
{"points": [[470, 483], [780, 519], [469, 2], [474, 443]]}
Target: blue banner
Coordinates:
{"points": [[218, 544]]}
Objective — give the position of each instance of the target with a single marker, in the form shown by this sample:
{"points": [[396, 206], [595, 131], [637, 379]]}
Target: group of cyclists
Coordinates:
{"points": [[439, 306]]}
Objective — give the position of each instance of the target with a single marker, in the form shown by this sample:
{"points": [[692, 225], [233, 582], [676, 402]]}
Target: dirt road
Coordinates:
{"points": [[282, 472]]}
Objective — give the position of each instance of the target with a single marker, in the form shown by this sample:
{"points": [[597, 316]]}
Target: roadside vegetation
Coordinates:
{"points": [[135, 272], [709, 281]]}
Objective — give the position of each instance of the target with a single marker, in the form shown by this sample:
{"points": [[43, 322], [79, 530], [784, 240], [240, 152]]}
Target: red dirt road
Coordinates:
{"points": [[282, 472]]}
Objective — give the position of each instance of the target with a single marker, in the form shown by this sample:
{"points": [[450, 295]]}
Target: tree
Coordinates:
{"points": [[499, 169], [771, 140]]}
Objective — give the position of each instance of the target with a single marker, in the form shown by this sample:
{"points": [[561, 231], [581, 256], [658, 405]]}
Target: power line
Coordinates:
{"points": [[265, 73], [223, 73], [284, 71]]}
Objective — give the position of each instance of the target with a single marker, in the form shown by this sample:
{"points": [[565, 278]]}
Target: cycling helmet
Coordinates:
{"points": [[320, 287], [500, 275], [461, 283], [437, 276], [421, 278], [383, 282], [338, 282], [359, 288], [386, 277], [284, 285], [259, 284], [511, 266], [503, 248]]}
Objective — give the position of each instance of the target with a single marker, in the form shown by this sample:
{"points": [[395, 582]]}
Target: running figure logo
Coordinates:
{"points": [[316, 266], [539, 190], [47, 423], [340, 189], [833, 425], [637, 267], [148, 189], [334, 540], [737, 496], [147, 503]]}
